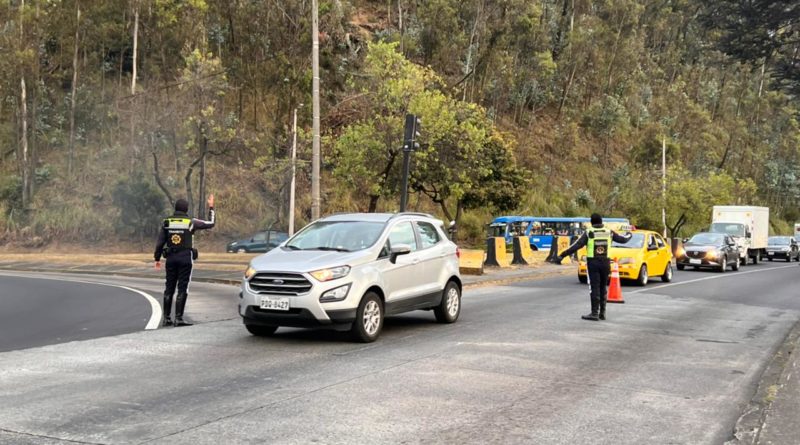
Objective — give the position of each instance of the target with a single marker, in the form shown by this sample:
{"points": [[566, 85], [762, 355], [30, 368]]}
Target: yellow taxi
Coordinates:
{"points": [[645, 255]]}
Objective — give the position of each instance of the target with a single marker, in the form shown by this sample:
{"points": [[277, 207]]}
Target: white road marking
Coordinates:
{"points": [[155, 314], [736, 274]]}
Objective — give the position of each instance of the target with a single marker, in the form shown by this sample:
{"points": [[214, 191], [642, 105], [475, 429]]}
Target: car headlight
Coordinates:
{"points": [[331, 274], [335, 294], [680, 251], [232, 244], [627, 261], [249, 272], [711, 254], [784, 249]]}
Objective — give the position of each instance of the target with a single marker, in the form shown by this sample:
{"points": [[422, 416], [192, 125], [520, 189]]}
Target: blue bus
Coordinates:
{"points": [[540, 230]]}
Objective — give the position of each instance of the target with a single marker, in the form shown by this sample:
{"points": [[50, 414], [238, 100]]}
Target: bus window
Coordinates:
{"points": [[497, 230]]}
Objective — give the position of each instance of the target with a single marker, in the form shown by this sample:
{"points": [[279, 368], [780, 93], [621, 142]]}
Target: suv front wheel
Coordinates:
{"points": [[369, 319], [450, 308]]}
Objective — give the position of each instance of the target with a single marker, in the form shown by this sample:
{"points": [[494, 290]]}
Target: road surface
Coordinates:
{"points": [[676, 364]]}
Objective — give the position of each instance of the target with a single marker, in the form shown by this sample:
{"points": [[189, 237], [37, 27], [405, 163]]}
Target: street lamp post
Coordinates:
{"points": [[294, 172], [315, 149]]}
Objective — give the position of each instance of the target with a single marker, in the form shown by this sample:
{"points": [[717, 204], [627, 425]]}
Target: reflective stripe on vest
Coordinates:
{"points": [[179, 233], [599, 242]]}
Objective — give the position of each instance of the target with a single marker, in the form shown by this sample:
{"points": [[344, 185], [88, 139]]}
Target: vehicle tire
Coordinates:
{"points": [[757, 258], [736, 264], [450, 307], [583, 279], [261, 331], [667, 277], [643, 277], [681, 267], [769, 259], [369, 319], [724, 265], [743, 261], [241, 250]]}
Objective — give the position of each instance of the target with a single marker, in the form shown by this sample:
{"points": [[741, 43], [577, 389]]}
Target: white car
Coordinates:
{"points": [[348, 271]]}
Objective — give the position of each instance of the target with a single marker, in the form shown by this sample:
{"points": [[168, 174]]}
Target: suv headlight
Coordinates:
{"points": [[711, 254], [784, 249], [335, 294], [249, 272], [331, 274]]}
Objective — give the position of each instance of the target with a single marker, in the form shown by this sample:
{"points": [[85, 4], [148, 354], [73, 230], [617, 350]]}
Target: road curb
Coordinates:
{"points": [[751, 423]]}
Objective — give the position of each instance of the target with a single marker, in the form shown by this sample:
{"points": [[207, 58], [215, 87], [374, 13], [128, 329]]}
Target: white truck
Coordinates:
{"points": [[749, 226]]}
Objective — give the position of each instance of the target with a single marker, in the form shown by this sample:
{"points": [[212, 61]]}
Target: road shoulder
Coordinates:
{"points": [[771, 415]]}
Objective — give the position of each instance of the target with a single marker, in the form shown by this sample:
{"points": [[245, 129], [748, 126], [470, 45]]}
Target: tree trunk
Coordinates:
{"points": [[133, 86], [188, 180], [201, 192], [157, 177], [74, 92], [26, 174], [567, 87]]}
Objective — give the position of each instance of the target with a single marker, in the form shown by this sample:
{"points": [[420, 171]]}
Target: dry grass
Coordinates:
{"points": [[217, 261]]}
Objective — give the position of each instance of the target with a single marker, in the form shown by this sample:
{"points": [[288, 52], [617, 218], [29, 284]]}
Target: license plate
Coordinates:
{"points": [[693, 261], [276, 304]]}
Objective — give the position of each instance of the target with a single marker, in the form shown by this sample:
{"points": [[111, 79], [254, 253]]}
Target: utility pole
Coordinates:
{"points": [[315, 154], [294, 172], [664, 184], [410, 135]]}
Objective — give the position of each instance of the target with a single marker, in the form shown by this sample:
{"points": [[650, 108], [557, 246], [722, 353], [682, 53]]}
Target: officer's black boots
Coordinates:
{"points": [[167, 309], [593, 316], [602, 314], [180, 304]]}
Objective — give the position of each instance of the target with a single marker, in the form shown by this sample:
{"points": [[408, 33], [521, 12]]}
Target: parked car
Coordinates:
{"points": [[783, 247], [259, 242], [646, 254], [709, 250], [349, 271]]}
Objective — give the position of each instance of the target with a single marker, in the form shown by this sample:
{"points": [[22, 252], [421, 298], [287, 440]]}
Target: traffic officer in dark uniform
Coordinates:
{"points": [[175, 244], [597, 240]]}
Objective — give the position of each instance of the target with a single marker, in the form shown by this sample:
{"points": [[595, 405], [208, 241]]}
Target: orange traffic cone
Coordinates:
{"points": [[615, 289]]}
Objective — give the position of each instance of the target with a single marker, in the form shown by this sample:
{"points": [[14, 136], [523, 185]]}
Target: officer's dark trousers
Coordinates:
{"points": [[598, 269], [179, 272]]}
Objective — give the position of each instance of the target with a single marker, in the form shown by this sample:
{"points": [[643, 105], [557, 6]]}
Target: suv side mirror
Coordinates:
{"points": [[685, 240], [400, 249]]}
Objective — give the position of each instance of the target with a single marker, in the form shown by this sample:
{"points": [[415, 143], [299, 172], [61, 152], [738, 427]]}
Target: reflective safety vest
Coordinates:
{"points": [[179, 233], [599, 242]]}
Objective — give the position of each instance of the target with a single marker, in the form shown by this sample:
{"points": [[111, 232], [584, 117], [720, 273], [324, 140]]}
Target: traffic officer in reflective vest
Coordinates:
{"points": [[597, 240], [175, 244]]}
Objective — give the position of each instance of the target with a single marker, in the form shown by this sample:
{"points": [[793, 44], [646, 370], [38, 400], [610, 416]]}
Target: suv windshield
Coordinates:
{"points": [[707, 238], [636, 242], [729, 228], [344, 236]]}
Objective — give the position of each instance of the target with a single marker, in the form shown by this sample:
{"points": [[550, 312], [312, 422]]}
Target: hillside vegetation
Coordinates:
{"points": [[112, 110]]}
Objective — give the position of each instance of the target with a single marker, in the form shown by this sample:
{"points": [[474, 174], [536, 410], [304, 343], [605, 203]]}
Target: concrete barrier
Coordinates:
{"points": [[523, 254], [496, 252], [471, 262], [559, 245]]}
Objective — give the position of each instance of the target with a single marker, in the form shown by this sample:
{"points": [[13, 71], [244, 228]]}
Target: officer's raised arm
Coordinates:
{"points": [[622, 239], [200, 224], [577, 245]]}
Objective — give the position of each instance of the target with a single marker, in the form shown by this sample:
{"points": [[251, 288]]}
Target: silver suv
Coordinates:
{"points": [[348, 271]]}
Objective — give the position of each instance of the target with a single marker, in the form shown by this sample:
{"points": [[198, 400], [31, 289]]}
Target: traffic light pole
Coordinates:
{"points": [[404, 189], [410, 134]]}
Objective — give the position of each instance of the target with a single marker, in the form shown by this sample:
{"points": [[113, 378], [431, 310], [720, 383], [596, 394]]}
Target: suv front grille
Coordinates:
{"points": [[695, 254], [277, 283]]}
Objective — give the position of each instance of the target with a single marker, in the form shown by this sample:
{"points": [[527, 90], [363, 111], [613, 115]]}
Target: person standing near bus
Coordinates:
{"points": [[597, 240]]}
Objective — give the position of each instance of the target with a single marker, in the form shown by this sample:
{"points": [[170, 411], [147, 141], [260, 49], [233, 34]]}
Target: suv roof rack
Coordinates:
{"points": [[427, 215]]}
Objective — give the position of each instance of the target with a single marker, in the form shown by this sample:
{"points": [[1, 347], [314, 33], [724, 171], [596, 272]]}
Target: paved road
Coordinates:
{"points": [[49, 309], [675, 364]]}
